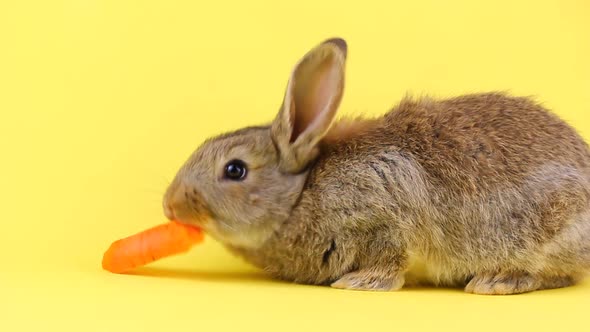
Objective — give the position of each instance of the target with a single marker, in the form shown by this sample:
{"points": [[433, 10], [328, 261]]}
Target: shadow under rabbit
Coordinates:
{"points": [[260, 277]]}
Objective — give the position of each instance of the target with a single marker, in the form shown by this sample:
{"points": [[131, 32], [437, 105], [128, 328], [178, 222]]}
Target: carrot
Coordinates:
{"points": [[150, 245]]}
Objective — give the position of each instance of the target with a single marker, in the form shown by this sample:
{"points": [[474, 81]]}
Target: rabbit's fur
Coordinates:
{"points": [[486, 191]]}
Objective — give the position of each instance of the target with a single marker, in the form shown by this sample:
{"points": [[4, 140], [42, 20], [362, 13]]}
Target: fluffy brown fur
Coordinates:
{"points": [[486, 191]]}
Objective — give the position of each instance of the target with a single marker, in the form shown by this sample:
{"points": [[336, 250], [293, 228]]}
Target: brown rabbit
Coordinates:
{"points": [[484, 190]]}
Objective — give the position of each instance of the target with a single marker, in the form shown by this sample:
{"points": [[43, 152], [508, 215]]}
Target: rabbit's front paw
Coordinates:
{"points": [[369, 280], [503, 283]]}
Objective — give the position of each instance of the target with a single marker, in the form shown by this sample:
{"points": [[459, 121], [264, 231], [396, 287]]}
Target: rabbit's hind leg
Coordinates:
{"points": [[503, 283], [557, 282]]}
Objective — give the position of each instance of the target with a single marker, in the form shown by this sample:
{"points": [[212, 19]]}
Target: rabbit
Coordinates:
{"points": [[488, 192]]}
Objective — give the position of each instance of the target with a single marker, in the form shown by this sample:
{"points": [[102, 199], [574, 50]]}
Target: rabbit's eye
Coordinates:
{"points": [[235, 170]]}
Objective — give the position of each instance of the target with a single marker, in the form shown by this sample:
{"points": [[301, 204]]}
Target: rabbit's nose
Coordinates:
{"points": [[175, 200], [168, 211]]}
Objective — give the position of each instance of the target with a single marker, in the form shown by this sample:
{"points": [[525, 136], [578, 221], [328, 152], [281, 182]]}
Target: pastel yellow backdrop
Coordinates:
{"points": [[101, 102]]}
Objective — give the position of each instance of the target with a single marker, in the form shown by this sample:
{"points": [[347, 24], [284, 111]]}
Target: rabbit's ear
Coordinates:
{"points": [[312, 98]]}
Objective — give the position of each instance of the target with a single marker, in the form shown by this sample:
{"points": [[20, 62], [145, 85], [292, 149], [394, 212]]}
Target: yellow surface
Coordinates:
{"points": [[101, 101]]}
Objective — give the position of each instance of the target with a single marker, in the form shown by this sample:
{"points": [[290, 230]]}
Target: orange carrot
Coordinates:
{"points": [[150, 245]]}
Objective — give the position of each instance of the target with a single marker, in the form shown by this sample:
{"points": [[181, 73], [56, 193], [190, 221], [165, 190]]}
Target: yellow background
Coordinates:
{"points": [[101, 102]]}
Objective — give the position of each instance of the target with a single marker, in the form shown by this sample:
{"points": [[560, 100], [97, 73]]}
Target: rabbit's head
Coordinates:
{"points": [[241, 186]]}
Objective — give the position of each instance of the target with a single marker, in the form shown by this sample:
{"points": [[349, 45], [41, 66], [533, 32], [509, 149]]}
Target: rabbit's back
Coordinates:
{"points": [[478, 142]]}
